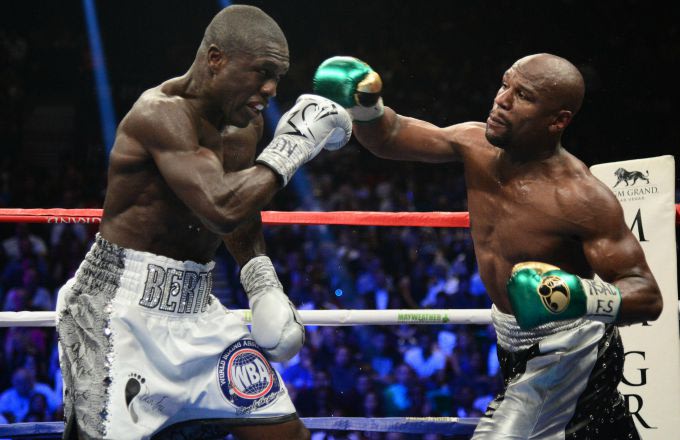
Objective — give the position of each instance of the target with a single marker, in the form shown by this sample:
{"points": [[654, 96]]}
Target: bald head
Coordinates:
{"points": [[242, 29], [558, 78]]}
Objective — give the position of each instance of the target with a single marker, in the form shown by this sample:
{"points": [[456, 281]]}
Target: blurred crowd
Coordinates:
{"points": [[53, 156], [407, 370]]}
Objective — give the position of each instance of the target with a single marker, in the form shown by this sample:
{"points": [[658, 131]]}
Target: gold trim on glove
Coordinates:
{"points": [[539, 267], [372, 83]]}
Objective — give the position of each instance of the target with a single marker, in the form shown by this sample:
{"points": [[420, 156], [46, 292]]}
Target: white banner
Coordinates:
{"points": [[651, 384]]}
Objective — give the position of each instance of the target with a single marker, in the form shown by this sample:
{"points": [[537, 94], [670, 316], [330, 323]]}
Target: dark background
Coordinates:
{"points": [[441, 62]]}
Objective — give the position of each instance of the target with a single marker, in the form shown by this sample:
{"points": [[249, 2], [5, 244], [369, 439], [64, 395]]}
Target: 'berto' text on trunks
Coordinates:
{"points": [[175, 290]]}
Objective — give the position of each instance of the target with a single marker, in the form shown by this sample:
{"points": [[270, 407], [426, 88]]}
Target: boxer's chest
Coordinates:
{"points": [[520, 221]]}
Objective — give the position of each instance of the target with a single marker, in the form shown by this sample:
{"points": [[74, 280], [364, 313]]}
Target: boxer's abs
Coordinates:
{"points": [[513, 237], [141, 212], [172, 233]]}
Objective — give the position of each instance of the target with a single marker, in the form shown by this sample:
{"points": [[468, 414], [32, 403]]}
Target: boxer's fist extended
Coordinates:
{"points": [[540, 293], [276, 325], [353, 84], [311, 124]]}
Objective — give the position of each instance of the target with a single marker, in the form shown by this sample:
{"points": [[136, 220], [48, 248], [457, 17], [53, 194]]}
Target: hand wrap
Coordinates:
{"points": [[276, 325]]}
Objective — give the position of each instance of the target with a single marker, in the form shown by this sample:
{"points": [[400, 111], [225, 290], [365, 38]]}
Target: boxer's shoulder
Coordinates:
{"points": [[470, 141], [472, 129], [465, 134], [579, 187], [158, 104], [159, 119]]}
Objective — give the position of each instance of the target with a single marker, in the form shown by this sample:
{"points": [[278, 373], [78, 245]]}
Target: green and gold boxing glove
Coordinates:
{"points": [[353, 84], [541, 293]]}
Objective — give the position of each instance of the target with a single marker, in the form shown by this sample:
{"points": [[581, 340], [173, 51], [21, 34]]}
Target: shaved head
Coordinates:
{"points": [[558, 78], [242, 28], [537, 100]]}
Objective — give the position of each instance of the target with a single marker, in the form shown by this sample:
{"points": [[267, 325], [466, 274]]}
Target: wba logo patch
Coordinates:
{"points": [[246, 377]]}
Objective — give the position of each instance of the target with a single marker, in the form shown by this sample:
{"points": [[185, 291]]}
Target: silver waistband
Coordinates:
{"points": [[512, 338], [154, 282]]}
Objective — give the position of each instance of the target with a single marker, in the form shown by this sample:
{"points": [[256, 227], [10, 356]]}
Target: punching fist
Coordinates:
{"points": [[353, 84], [311, 124], [276, 324], [541, 293]]}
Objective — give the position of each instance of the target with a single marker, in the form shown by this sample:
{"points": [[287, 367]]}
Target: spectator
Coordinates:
{"points": [[30, 295], [396, 395], [300, 373], [464, 399], [319, 401], [68, 245], [37, 409], [372, 405], [379, 355], [343, 373], [17, 399], [13, 272], [355, 400], [23, 238], [425, 357], [24, 345]]}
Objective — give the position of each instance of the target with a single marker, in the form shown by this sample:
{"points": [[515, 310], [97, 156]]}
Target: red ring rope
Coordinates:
{"points": [[352, 218], [357, 218]]}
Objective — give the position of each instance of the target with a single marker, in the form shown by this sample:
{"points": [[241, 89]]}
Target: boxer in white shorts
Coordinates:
{"points": [[145, 343], [146, 351]]}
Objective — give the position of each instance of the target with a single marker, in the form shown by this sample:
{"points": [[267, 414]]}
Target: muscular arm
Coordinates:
{"points": [[276, 325], [239, 145], [616, 256], [196, 174], [246, 241], [355, 85], [402, 138]]}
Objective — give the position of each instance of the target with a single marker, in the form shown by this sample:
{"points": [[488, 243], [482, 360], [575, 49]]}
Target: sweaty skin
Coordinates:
{"points": [[529, 199], [172, 187], [181, 179]]}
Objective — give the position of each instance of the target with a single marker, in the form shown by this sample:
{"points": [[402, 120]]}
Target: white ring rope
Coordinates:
{"points": [[310, 317], [329, 318]]}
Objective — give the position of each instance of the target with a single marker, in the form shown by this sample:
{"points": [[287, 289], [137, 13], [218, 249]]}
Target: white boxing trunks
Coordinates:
{"points": [[560, 381], [144, 345]]}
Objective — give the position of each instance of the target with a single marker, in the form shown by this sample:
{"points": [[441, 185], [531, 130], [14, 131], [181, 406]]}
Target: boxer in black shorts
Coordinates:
{"points": [[542, 227]]}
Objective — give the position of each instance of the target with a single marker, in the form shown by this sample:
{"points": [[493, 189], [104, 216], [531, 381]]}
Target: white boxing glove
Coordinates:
{"points": [[313, 123], [276, 325]]}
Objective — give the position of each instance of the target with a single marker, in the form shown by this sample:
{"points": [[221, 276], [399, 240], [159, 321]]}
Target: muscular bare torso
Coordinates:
{"points": [[141, 211], [521, 213]]}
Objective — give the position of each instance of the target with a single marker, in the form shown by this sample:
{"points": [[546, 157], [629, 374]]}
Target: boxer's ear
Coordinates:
{"points": [[561, 121], [216, 59]]}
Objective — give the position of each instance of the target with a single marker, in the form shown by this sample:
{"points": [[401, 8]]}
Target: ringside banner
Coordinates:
{"points": [[651, 384]]}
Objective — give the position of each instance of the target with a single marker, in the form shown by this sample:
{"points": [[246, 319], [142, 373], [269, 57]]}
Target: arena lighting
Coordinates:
{"points": [[106, 112]]}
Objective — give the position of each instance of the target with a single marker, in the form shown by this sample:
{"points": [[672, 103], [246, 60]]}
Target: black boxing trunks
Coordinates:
{"points": [[560, 381]]}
